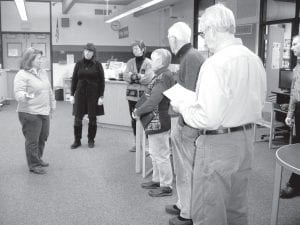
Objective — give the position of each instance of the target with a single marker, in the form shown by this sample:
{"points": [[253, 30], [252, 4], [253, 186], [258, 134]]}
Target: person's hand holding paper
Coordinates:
{"points": [[180, 96]]}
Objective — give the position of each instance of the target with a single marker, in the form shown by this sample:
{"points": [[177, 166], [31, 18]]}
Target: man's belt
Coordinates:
{"points": [[226, 130]]}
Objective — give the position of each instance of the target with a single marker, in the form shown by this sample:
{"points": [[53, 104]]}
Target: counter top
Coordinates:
{"points": [[4, 70]]}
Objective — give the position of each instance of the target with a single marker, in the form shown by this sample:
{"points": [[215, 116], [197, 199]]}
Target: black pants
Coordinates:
{"points": [[92, 129], [78, 120], [133, 121], [294, 180]]}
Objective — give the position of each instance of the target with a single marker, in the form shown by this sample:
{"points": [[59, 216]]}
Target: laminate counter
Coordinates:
{"points": [[115, 105]]}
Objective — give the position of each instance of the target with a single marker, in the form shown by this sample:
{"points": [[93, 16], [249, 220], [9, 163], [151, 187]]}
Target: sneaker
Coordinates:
{"points": [[150, 185], [37, 170], [172, 209], [178, 220], [44, 164], [132, 149], [161, 192]]}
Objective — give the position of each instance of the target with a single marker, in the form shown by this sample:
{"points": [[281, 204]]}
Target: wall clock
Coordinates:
{"points": [[115, 25]]}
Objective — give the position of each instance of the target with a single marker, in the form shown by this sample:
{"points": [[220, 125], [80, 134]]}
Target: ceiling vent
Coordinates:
{"points": [[102, 12], [243, 29], [65, 22]]}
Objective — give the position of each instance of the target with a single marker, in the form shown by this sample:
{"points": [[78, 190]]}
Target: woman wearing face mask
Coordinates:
{"points": [[138, 74], [292, 188], [87, 91], [35, 103]]}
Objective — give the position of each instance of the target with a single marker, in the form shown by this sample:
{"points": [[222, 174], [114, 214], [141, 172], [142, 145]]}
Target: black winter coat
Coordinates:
{"points": [[87, 86]]}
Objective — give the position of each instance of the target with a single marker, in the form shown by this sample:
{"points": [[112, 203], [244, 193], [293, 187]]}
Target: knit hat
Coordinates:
{"points": [[90, 47]]}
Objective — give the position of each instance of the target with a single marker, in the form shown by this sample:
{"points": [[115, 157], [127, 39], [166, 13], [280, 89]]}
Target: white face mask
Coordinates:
{"points": [[137, 51]]}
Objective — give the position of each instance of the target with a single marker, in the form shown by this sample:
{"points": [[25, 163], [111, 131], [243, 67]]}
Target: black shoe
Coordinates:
{"points": [[288, 192], [91, 144], [150, 185], [37, 170], [161, 192], [76, 144], [44, 164], [172, 209], [178, 220]]}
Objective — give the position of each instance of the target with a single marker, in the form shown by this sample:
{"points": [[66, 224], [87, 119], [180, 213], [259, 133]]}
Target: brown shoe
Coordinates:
{"points": [[172, 209], [37, 170], [150, 185], [161, 192], [178, 220]]}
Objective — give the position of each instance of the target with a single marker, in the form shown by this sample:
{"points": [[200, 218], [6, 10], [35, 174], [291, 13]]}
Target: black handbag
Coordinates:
{"points": [[147, 117]]}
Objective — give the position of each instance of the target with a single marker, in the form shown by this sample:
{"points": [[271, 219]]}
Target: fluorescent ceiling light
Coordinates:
{"points": [[133, 10], [21, 8]]}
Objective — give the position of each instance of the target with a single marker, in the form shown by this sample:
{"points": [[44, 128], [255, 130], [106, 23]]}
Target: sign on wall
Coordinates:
{"points": [[123, 32]]}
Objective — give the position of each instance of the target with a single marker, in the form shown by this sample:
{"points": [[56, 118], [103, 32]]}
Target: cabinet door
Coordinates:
{"points": [[3, 86]]}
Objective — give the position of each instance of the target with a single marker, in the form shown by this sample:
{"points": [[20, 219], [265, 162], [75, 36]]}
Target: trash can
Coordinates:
{"points": [[59, 94]]}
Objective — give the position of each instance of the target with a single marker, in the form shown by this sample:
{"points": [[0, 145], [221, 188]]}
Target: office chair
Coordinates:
{"points": [[268, 120]]}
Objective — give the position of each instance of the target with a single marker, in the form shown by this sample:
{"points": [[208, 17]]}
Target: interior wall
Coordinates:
{"points": [[246, 13], [38, 14], [95, 30]]}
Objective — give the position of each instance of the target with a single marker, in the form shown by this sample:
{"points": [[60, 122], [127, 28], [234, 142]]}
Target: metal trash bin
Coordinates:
{"points": [[59, 94]]}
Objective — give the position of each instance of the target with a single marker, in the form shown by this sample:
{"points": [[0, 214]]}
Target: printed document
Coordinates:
{"points": [[178, 93]]}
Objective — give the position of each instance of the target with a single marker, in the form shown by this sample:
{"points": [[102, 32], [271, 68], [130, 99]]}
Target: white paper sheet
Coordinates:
{"points": [[178, 93]]}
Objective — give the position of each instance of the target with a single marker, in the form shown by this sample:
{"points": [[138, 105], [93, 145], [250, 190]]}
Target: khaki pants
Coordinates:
{"points": [[159, 150], [220, 178], [183, 147]]}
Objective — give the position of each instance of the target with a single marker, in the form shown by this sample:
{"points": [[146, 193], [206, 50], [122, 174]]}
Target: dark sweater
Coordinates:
{"points": [[191, 61], [156, 102]]}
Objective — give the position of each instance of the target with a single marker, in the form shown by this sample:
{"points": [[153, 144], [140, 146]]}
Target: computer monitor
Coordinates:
{"points": [[285, 79]]}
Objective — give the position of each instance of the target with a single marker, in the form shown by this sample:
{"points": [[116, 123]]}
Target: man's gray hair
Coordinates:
{"points": [[165, 56], [297, 37], [219, 18], [181, 31]]}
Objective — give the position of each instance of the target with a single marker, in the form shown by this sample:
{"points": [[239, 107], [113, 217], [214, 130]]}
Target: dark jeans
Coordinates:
{"points": [[36, 131], [294, 180], [133, 121]]}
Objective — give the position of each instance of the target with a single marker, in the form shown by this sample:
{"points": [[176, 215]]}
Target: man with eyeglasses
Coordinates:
{"points": [[183, 136], [231, 90]]}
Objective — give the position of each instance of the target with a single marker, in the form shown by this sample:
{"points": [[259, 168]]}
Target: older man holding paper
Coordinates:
{"points": [[230, 92]]}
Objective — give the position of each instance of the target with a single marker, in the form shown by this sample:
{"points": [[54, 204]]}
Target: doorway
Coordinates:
{"points": [[14, 44]]}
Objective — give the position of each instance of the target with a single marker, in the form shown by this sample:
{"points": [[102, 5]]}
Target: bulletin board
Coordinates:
{"points": [[14, 49], [41, 47]]}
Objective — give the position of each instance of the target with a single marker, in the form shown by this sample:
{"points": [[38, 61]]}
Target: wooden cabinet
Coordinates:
{"points": [[115, 105], [3, 86]]}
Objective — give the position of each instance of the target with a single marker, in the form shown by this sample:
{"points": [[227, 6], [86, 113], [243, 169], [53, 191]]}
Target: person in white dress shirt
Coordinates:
{"points": [[231, 90]]}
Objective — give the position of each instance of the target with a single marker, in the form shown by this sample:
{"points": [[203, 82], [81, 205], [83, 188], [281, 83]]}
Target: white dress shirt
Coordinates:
{"points": [[231, 89]]}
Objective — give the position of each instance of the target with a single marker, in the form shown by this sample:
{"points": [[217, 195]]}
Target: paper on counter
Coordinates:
{"points": [[178, 93]]}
